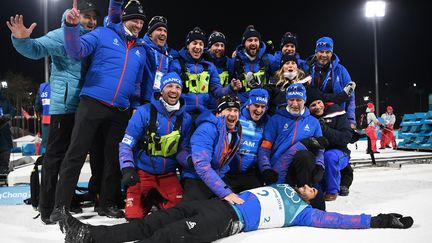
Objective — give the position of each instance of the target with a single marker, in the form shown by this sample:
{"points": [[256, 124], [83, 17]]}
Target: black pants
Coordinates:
{"points": [[196, 189], [187, 222], [60, 131], [244, 181], [4, 159], [90, 116], [347, 176]]}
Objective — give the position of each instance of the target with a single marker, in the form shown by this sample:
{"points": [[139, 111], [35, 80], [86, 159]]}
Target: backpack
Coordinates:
{"points": [[34, 184]]}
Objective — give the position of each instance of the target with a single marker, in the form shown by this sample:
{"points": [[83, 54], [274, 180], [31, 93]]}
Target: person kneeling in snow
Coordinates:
{"points": [[278, 205]]}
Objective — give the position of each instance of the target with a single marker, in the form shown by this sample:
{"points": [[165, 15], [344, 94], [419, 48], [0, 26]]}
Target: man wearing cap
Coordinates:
{"points": [[329, 75], [387, 135], [156, 133], [288, 153], [66, 78], [288, 46], [214, 144], [244, 173], [201, 80], [252, 65], [108, 95], [336, 128]]}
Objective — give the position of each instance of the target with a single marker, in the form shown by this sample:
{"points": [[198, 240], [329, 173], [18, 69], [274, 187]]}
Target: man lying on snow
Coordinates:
{"points": [[274, 206]]}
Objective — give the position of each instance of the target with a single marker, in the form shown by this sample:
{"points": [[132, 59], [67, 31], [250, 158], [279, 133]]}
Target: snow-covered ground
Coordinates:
{"points": [[406, 190]]}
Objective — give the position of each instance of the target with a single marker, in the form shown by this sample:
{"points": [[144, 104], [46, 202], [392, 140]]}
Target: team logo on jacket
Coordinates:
{"points": [[285, 127], [127, 139], [138, 53], [190, 224], [306, 128], [116, 42]]}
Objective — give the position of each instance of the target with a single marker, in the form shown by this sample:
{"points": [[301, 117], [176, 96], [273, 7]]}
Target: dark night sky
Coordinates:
{"points": [[404, 37]]}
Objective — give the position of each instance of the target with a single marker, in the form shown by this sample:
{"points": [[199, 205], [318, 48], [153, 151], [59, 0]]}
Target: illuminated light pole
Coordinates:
{"points": [[374, 10]]}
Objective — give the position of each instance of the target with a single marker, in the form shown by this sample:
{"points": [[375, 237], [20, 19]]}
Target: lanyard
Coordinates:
{"points": [[324, 83], [161, 61]]}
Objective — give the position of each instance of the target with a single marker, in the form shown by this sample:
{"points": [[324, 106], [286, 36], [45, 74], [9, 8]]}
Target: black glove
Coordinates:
{"points": [[313, 143], [391, 220], [323, 125], [317, 174], [130, 176], [270, 176]]}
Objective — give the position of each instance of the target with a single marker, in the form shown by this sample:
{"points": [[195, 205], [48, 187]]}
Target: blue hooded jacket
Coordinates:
{"points": [[253, 65], [115, 73], [284, 130], [210, 153], [67, 73], [339, 79], [202, 101], [131, 156]]}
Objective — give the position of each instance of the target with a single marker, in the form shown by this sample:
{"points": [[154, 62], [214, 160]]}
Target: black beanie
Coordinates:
{"points": [[228, 101], [133, 10], [250, 32], [156, 22], [285, 58], [216, 37], [318, 202], [196, 34], [313, 95], [288, 37]]}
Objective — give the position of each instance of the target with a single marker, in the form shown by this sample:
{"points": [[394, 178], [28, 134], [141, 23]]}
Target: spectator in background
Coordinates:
{"points": [[7, 112], [42, 107], [370, 130], [387, 135]]}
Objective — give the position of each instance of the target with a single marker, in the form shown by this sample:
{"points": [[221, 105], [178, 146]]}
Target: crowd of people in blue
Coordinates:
{"points": [[219, 144]]}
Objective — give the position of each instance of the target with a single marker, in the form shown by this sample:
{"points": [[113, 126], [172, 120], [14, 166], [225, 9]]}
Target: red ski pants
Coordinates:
{"points": [[138, 201], [371, 132]]}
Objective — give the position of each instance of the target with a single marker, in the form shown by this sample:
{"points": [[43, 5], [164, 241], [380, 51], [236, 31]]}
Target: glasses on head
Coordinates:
{"points": [[230, 99], [132, 1], [159, 19]]}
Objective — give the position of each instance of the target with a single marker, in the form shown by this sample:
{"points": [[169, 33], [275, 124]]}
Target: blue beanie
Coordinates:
{"points": [[324, 44], [257, 96], [170, 78], [296, 90]]}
